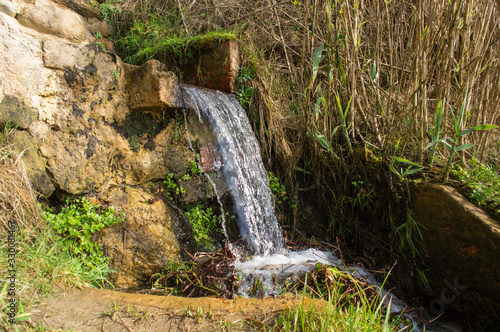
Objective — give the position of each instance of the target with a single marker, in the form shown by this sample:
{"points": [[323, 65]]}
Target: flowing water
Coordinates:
{"points": [[243, 170]]}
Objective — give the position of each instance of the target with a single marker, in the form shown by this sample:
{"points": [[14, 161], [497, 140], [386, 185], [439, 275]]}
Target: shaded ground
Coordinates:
{"points": [[105, 310]]}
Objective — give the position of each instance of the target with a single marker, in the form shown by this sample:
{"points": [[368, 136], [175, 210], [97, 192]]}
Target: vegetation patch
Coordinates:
{"points": [[51, 250], [163, 38], [78, 220], [482, 185], [206, 226], [209, 274]]}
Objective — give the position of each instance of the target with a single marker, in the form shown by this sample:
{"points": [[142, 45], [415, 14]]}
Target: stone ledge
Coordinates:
{"points": [[462, 242], [216, 69]]}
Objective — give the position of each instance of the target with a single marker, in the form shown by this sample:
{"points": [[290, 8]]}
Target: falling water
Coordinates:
{"points": [[242, 168]]}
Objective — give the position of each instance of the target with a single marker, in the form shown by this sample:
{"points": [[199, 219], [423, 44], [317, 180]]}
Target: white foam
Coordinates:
{"points": [[290, 263]]}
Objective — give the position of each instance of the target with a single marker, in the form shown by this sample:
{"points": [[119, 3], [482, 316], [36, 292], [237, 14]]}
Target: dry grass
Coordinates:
{"points": [[392, 60], [17, 197]]}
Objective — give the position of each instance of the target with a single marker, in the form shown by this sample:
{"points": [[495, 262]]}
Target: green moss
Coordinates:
{"points": [[162, 38]]}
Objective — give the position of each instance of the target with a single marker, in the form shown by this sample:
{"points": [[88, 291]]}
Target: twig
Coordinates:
{"points": [[124, 324], [182, 16]]}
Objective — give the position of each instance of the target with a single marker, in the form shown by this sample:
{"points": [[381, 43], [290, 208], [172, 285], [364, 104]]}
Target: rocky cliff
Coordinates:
{"points": [[92, 125]]}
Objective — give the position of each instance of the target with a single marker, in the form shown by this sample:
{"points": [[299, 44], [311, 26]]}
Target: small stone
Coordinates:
{"points": [[97, 26], [47, 151]]}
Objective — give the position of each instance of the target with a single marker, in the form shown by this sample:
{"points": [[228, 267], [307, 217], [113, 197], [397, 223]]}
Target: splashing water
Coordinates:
{"points": [[242, 168]]}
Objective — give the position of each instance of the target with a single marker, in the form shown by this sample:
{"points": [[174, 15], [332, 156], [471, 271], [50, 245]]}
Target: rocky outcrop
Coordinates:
{"points": [[461, 244], [13, 110], [147, 239], [91, 125]]}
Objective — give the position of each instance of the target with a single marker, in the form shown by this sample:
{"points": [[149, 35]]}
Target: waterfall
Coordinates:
{"points": [[241, 167]]}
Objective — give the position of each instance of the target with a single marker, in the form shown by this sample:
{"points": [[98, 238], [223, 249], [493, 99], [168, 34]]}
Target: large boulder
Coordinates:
{"points": [[86, 8], [152, 234], [55, 21], [461, 244]]}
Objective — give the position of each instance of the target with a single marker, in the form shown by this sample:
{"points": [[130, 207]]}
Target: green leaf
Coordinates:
{"points": [[317, 57], [464, 147], [462, 112], [480, 127], [324, 143], [414, 170], [405, 161], [437, 121]]}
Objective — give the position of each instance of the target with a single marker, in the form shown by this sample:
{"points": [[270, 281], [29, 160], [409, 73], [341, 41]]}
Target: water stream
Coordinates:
{"points": [[241, 167], [265, 255]]}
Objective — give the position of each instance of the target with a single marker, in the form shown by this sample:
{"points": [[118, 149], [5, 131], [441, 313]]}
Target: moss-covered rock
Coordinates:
{"points": [[35, 164]]}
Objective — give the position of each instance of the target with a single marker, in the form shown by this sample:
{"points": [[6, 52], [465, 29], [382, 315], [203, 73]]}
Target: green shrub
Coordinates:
{"points": [[108, 9], [280, 194], [195, 170], [244, 90], [77, 222], [204, 224], [173, 190]]}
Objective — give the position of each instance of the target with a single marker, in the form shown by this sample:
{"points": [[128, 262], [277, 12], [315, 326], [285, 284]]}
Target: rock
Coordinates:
{"points": [[82, 7], [461, 244], [23, 74], [7, 7], [216, 69], [58, 55], [151, 87], [94, 26], [15, 111], [34, 163], [147, 239], [52, 20], [199, 189]]}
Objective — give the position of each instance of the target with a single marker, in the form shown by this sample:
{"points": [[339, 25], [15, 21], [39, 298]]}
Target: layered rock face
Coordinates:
{"points": [[91, 125]]}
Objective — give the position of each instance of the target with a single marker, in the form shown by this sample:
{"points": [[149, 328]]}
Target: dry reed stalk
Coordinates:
{"points": [[422, 51]]}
